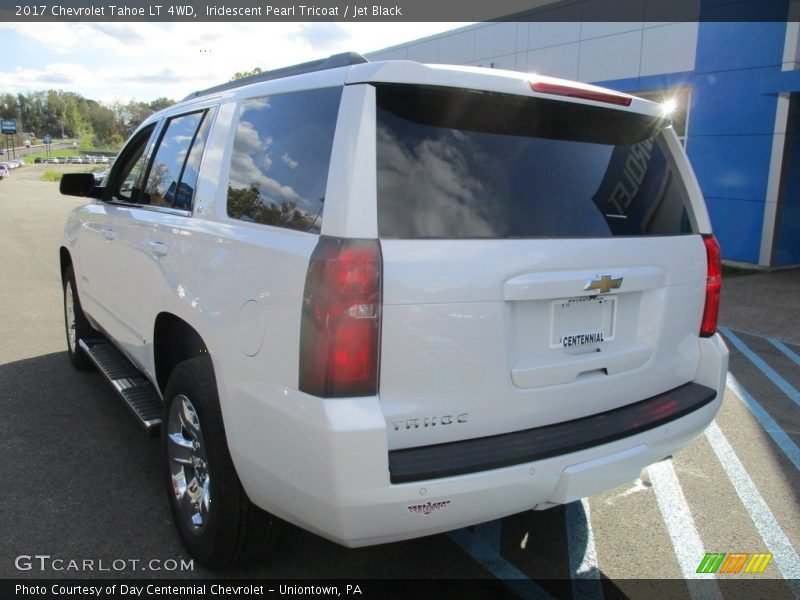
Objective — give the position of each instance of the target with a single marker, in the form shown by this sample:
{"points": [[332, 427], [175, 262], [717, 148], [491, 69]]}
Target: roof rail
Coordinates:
{"points": [[344, 59]]}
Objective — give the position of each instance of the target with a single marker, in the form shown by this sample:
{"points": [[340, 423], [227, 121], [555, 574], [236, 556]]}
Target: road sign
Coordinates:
{"points": [[8, 126], [47, 139]]}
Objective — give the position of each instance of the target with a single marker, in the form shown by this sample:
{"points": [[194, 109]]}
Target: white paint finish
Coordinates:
{"points": [[471, 77], [495, 39], [686, 542], [457, 48], [599, 474], [350, 198], [424, 52], [784, 554], [770, 221], [450, 340], [555, 61], [542, 34], [791, 47], [612, 57], [322, 464], [250, 328], [669, 49]]}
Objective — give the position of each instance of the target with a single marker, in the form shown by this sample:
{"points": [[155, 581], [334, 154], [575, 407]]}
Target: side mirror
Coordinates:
{"points": [[79, 184]]}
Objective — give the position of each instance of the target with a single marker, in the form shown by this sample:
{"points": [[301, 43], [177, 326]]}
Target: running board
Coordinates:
{"points": [[138, 393]]}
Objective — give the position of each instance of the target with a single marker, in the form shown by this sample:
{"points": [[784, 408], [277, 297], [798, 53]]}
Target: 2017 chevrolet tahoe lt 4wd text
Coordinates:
{"points": [[384, 300]]}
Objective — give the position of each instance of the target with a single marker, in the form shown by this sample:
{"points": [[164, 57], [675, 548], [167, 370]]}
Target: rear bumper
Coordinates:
{"points": [[325, 465], [533, 445]]}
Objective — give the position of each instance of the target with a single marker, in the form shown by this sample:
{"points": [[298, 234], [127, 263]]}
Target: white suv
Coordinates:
{"points": [[384, 300]]}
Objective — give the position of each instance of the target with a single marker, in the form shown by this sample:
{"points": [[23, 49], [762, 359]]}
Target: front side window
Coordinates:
{"points": [[125, 179], [173, 174], [281, 154]]}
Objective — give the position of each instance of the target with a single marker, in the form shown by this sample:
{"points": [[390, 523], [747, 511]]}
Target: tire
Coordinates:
{"points": [[76, 325], [217, 523]]}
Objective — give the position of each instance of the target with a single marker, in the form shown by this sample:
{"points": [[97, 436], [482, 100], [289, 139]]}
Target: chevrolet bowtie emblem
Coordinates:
{"points": [[603, 284]]}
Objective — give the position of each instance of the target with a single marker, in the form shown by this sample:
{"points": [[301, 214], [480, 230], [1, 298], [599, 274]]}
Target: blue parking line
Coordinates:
{"points": [[778, 435], [484, 547], [759, 362], [790, 354], [583, 567]]}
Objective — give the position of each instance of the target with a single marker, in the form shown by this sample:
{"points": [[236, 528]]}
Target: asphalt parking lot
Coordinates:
{"points": [[82, 481]]}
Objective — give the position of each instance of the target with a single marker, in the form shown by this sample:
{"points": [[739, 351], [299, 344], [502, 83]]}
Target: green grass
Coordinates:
{"points": [[56, 175], [51, 176]]}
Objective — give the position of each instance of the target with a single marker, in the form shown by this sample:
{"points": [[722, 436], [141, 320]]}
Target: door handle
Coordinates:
{"points": [[158, 248], [109, 234]]}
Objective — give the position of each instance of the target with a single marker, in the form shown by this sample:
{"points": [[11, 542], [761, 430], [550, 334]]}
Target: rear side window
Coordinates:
{"points": [[471, 164], [281, 154]]}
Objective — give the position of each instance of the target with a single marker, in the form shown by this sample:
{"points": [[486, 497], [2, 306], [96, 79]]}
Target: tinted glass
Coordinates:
{"points": [[463, 164], [167, 181], [281, 154], [125, 179]]}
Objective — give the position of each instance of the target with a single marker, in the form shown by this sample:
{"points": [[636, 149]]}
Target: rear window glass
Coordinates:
{"points": [[469, 164]]}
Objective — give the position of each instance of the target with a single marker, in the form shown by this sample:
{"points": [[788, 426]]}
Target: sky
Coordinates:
{"points": [[112, 62]]}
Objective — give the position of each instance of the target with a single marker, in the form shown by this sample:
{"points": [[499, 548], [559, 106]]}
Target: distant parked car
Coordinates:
{"points": [[53, 161], [3, 171], [38, 160], [101, 160], [87, 160], [74, 160], [13, 164]]}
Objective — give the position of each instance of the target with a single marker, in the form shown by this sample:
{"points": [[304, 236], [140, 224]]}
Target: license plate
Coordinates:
{"points": [[583, 323]]}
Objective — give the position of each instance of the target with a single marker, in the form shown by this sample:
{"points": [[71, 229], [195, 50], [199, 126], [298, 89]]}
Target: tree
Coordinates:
{"points": [[244, 74]]}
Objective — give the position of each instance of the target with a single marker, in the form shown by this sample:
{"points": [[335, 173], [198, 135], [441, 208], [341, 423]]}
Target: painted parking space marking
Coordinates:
{"points": [[788, 352], [583, 566], [767, 526], [483, 545], [768, 424], [786, 387], [680, 525]]}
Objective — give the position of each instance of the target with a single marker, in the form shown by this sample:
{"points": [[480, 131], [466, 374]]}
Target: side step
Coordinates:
{"points": [[138, 393]]}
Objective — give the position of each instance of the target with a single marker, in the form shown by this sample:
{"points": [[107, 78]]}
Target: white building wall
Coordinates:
{"points": [[588, 51]]}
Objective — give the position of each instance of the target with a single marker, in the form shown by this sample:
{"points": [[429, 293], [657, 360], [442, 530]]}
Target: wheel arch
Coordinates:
{"points": [[174, 341]]}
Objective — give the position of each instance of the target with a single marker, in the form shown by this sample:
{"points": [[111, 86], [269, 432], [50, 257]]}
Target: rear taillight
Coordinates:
{"points": [[341, 321], [708, 326]]}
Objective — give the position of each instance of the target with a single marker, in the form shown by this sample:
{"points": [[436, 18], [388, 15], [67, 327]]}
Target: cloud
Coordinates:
{"points": [[289, 161], [146, 61], [54, 75], [323, 35], [120, 32], [165, 75]]}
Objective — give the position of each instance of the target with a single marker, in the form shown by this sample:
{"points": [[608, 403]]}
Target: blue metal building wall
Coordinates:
{"points": [[731, 128], [731, 125]]}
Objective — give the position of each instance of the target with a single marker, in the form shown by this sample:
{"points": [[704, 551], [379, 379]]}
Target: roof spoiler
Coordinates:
{"points": [[345, 59]]}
